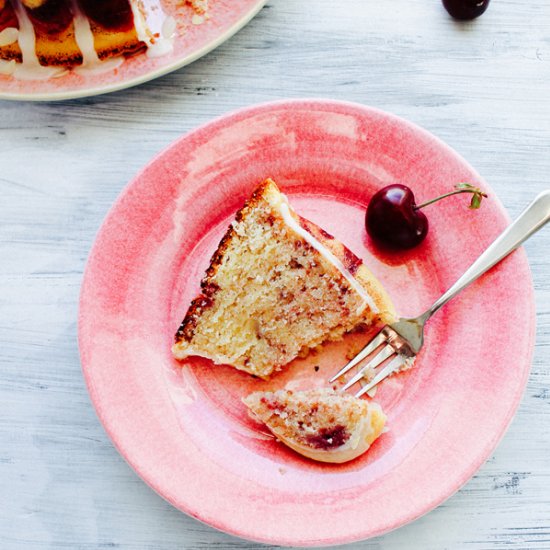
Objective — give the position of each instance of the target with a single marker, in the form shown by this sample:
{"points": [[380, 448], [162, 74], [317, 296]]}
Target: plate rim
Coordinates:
{"points": [[178, 63], [474, 465]]}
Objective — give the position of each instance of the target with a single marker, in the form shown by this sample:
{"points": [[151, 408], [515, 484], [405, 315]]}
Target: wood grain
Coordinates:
{"points": [[483, 87]]}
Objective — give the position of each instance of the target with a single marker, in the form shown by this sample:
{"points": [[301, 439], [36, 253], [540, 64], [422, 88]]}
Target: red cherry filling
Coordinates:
{"points": [[52, 17], [328, 438], [8, 17], [114, 15]]}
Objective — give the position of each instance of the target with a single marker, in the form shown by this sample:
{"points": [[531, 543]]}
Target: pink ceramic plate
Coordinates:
{"points": [[192, 41], [183, 428]]}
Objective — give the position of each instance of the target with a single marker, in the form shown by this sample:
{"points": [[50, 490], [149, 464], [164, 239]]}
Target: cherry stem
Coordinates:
{"points": [[456, 192]]}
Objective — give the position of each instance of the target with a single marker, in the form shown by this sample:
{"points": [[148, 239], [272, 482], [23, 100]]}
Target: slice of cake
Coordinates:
{"points": [[277, 286], [321, 424]]}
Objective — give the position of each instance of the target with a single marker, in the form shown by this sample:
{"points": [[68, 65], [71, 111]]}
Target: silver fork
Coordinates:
{"points": [[399, 343]]}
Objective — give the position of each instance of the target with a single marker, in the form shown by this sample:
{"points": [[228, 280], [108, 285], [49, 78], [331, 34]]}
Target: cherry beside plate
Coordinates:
{"points": [[194, 38], [184, 429]]}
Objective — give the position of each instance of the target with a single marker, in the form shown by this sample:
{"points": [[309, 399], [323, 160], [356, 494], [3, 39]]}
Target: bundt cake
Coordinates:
{"points": [[321, 424], [42, 38], [277, 286]]}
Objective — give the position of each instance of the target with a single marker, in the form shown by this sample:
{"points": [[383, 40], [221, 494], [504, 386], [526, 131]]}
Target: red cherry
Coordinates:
{"points": [[466, 9], [393, 220]]}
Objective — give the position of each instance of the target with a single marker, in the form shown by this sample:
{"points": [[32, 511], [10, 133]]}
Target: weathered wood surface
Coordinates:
{"points": [[482, 87]]}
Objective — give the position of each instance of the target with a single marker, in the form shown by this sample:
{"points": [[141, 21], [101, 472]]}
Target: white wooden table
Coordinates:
{"points": [[483, 87]]}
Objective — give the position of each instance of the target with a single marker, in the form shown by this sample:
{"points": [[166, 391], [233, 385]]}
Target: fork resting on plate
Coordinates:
{"points": [[398, 344]]}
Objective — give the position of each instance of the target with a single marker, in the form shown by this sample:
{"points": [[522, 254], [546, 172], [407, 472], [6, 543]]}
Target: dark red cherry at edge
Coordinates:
{"points": [[465, 9], [393, 220]]}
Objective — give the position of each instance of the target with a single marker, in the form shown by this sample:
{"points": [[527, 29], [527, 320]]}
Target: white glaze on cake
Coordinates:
{"points": [[7, 67], [154, 28], [327, 254], [85, 39], [8, 36]]}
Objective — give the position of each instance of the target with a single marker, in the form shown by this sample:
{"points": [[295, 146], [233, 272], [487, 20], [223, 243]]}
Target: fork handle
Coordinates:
{"points": [[533, 218]]}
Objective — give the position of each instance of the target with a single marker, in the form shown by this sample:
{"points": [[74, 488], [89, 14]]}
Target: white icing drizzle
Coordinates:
{"points": [[30, 68], [327, 254], [91, 64], [7, 67], [169, 28], [154, 28], [8, 36]]}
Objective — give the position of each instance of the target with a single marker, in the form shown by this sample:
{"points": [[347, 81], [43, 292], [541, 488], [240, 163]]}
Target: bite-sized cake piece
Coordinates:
{"points": [[322, 424], [277, 286]]}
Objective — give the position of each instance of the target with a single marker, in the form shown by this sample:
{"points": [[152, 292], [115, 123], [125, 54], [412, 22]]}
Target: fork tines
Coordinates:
{"points": [[384, 342]]}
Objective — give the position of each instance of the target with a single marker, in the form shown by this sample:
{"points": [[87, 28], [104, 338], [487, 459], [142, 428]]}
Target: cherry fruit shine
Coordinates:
{"points": [[393, 220]]}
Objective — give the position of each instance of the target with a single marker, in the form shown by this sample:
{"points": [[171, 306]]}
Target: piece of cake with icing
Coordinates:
{"points": [[277, 286]]}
